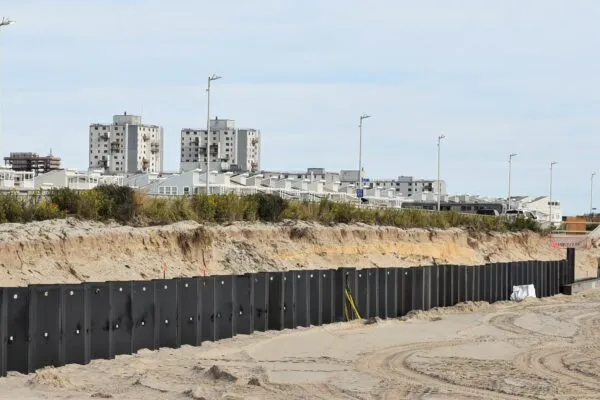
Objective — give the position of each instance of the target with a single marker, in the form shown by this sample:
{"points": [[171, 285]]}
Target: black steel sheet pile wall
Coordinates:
{"points": [[44, 325]]}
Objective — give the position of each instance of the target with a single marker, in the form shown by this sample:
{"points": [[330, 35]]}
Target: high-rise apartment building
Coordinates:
{"points": [[126, 146], [231, 149]]}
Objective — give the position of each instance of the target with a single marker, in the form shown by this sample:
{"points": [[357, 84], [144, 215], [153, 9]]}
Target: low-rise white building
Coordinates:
{"points": [[21, 181], [408, 186], [539, 206], [77, 180]]}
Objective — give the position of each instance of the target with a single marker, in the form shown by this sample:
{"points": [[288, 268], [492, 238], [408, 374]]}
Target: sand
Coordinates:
{"points": [[71, 251], [539, 349]]}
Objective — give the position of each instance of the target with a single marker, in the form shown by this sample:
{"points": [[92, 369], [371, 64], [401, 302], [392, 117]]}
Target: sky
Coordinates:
{"points": [[494, 77]]}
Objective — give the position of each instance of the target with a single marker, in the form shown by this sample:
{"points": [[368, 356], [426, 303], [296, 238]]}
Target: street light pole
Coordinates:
{"points": [[4, 22], [552, 164], [364, 116], [510, 157], [439, 191], [592, 195], [210, 79]]}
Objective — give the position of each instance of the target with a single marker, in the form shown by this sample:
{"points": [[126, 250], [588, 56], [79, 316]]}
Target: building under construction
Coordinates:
{"points": [[32, 162]]}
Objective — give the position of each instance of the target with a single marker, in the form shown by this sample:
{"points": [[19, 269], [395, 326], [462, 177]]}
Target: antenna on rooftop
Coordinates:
{"points": [[50, 151]]}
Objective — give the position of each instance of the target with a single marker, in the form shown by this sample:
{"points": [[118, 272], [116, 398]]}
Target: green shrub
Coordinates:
{"points": [[66, 199], [127, 206], [270, 207], [118, 202]]}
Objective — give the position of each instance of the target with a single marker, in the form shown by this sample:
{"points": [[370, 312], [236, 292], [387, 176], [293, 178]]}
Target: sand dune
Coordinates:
{"points": [[75, 251]]}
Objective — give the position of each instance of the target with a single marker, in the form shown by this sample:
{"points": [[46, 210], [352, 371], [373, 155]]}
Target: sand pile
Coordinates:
{"points": [[75, 251]]}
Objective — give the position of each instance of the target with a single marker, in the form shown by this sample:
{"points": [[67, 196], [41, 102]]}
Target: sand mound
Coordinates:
{"points": [[74, 251], [50, 376], [216, 373]]}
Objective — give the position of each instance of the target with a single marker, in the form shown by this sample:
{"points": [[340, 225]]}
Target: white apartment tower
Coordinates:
{"points": [[230, 148], [126, 146]]}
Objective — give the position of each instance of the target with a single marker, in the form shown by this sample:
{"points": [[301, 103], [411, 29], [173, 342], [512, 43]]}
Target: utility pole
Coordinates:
{"points": [[439, 190], [210, 79], [4, 22], [510, 157], [552, 164], [364, 116], [592, 196]]}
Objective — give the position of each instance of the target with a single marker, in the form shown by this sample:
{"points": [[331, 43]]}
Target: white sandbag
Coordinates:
{"points": [[522, 292]]}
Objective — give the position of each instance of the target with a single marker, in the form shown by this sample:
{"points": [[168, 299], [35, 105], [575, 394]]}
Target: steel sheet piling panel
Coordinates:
{"points": [[408, 289], [189, 311], [481, 282], [122, 322], [418, 288], [427, 290], [373, 284], [3, 328], [523, 275], [484, 276], [502, 282], [437, 286], [362, 296], [464, 283], [165, 293], [143, 315], [509, 279], [75, 324], [345, 278], [388, 293], [289, 303], [470, 279], [207, 311], [244, 304], [434, 281], [529, 266], [570, 275], [101, 334], [562, 274], [554, 277], [539, 268], [328, 283], [261, 301], [316, 301], [17, 332], [456, 286], [382, 278], [505, 290], [225, 317], [44, 326], [302, 304], [276, 292], [496, 281], [476, 280], [448, 285]]}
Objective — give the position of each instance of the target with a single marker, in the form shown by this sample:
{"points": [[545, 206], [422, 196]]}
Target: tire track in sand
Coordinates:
{"points": [[393, 367]]}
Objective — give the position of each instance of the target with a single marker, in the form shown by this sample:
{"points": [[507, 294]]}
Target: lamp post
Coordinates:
{"points": [[439, 192], [364, 116], [4, 22], [592, 196], [552, 164], [510, 157], [210, 79]]}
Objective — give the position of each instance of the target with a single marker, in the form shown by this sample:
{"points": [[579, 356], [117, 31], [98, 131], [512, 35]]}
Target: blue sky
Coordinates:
{"points": [[511, 76]]}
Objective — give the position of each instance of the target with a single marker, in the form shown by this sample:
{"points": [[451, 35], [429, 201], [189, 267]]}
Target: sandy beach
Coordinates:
{"points": [[539, 349]]}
